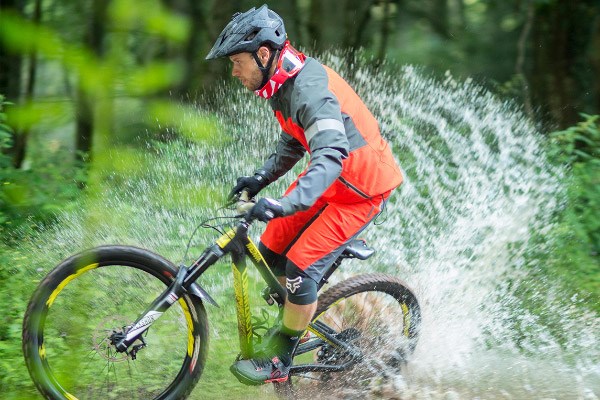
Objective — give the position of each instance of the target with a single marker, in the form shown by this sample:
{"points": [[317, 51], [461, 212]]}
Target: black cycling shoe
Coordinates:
{"points": [[260, 370]]}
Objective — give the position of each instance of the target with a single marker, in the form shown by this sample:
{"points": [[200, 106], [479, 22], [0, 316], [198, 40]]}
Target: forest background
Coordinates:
{"points": [[79, 78]]}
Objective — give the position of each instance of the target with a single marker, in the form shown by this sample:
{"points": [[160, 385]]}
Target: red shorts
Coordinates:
{"points": [[313, 239]]}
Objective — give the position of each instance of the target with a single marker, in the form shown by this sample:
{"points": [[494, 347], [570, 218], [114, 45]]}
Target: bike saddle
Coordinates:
{"points": [[358, 249]]}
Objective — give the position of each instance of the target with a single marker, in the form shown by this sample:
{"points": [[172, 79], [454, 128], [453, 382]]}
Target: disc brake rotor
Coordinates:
{"points": [[103, 335]]}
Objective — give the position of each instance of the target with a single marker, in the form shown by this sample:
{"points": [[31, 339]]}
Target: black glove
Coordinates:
{"points": [[252, 184], [266, 209]]}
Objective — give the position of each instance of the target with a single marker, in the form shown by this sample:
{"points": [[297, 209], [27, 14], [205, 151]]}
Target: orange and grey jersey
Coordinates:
{"points": [[319, 113]]}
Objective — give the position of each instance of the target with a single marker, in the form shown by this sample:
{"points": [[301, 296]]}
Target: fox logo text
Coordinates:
{"points": [[293, 284]]}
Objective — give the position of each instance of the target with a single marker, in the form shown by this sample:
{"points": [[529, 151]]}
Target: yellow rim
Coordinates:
{"points": [[68, 279]]}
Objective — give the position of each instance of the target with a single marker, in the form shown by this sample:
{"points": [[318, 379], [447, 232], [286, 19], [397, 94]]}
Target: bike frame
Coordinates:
{"points": [[237, 243]]}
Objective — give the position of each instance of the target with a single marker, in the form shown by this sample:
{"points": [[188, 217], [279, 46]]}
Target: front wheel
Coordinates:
{"points": [[376, 313], [78, 312]]}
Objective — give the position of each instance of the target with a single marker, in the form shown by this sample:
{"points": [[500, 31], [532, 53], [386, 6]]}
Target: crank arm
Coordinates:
{"points": [[311, 345], [301, 368], [323, 332]]}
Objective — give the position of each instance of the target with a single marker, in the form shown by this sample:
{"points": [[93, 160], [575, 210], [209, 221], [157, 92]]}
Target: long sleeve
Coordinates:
{"points": [[287, 153]]}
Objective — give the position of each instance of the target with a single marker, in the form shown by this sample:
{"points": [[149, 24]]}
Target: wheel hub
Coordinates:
{"points": [[108, 332]]}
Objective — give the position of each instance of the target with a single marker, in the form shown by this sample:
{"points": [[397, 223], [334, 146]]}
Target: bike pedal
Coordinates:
{"points": [[277, 380], [305, 338]]}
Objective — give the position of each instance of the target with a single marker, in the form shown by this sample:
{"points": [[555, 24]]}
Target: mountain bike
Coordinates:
{"points": [[124, 322]]}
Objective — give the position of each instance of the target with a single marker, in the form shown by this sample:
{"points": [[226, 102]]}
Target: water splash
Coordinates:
{"points": [[479, 186], [459, 231]]}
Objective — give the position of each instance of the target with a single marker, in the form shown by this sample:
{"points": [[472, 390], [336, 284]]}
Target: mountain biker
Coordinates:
{"points": [[350, 174]]}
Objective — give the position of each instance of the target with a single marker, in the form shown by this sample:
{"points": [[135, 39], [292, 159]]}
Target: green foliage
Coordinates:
{"points": [[579, 147], [34, 196], [579, 229], [5, 135], [122, 70], [134, 192], [186, 120], [152, 17], [51, 180], [580, 143], [13, 300], [5, 160], [31, 115], [48, 185]]}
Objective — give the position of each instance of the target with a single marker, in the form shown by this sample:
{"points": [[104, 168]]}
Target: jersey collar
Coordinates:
{"points": [[290, 62]]}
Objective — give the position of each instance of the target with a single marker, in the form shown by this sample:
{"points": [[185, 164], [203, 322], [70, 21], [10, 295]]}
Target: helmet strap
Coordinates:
{"points": [[289, 62], [264, 69]]}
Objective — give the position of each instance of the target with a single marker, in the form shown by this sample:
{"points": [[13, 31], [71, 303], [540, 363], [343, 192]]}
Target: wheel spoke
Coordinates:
{"points": [[73, 318], [365, 312], [159, 363]]}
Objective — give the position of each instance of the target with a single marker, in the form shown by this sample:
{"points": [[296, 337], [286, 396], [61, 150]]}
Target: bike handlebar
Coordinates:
{"points": [[244, 205]]}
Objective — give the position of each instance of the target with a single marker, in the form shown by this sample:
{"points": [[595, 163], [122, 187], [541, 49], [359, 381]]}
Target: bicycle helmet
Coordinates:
{"points": [[246, 32]]}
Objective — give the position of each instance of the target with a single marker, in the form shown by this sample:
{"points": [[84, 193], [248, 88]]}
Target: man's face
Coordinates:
{"points": [[246, 70]]}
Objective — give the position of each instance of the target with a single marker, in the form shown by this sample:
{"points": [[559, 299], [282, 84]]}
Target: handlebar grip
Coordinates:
{"points": [[245, 203], [245, 196]]}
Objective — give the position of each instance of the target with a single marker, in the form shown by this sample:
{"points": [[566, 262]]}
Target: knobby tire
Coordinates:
{"points": [[397, 299], [89, 296]]}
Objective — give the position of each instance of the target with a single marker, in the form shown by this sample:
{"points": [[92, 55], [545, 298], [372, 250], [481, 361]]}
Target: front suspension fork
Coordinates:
{"points": [[184, 283], [154, 311]]}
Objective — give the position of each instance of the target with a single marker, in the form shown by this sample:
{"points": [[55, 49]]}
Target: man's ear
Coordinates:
{"points": [[264, 53]]}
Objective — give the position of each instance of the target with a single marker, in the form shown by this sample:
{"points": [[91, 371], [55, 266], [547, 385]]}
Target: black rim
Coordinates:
{"points": [[41, 370], [399, 299]]}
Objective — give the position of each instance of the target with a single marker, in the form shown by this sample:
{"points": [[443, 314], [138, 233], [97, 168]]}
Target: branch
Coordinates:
{"points": [[521, 51]]}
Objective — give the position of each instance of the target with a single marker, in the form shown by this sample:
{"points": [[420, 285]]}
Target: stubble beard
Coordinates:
{"points": [[255, 81]]}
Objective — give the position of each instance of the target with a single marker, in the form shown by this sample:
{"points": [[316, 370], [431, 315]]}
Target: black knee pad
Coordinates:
{"points": [[275, 261], [301, 289]]}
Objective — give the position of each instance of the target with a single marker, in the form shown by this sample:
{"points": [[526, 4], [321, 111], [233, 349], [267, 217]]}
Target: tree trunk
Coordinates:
{"points": [[193, 45], [459, 14], [521, 57], [11, 68], [219, 16], [10, 63], [354, 39], [315, 22], [290, 12], [594, 54], [84, 123], [298, 22], [385, 31], [558, 39], [438, 16], [21, 137]]}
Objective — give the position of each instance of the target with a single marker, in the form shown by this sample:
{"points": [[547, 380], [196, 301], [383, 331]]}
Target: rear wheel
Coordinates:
{"points": [[379, 315], [82, 307]]}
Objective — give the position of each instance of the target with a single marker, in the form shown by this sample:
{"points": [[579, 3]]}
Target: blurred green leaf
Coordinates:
{"points": [[185, 119], [26, 116], [120, 161], [23, 36], [156, 76], [152, 17], [14, 193]]}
